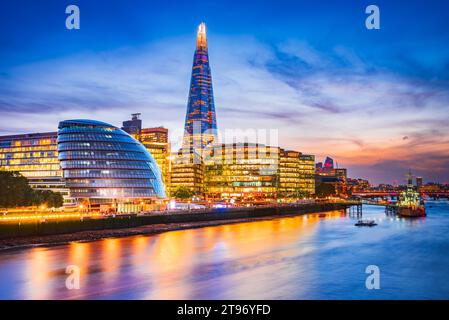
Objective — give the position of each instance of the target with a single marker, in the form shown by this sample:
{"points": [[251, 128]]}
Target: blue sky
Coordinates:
{"points": [[375, 100]]}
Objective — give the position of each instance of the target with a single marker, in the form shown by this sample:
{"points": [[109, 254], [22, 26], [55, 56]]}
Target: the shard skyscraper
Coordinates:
{"points": [[201, 125]]}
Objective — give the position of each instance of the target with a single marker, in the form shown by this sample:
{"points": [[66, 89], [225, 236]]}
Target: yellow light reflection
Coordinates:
{"points": [[38, 275]]}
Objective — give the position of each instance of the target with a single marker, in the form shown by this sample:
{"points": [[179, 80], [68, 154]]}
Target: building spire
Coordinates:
{"points": [[201, 124], [201, 41]]}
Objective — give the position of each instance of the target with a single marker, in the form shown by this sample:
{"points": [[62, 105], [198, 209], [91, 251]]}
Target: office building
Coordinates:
{"points": [[155, 140], [187, 171], [35, 156], [133, 126], [243, 172], [307, 174], [289, 182]]}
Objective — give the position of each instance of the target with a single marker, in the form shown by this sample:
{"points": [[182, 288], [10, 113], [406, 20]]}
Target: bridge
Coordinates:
{"points": [[372, 194]]}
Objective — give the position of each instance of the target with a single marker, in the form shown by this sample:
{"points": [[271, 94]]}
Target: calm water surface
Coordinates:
{"points": [[305, 257]]}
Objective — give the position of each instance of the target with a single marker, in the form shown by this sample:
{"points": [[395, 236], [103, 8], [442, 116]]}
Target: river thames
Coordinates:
{"points": [[316, 256]]}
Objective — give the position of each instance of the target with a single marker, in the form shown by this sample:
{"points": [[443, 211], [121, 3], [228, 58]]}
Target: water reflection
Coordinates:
{"points": [[171, 265], [281, 258], [37, 275]]}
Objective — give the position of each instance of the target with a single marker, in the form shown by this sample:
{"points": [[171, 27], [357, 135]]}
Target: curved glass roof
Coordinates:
{"points": [[84, 154], [85, 122]]}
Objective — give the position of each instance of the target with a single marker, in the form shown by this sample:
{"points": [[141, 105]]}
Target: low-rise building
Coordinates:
{"points": [[336, 177], [35, 156], [187, 170]]}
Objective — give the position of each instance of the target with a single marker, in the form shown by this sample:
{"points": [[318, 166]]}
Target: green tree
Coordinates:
{"points": [[296, 194], [15, 191], [47, 197], [182, 192], [325, 190]]}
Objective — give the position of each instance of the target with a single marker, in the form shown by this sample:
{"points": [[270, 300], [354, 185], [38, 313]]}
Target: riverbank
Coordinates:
{"points": [[61, 232]]}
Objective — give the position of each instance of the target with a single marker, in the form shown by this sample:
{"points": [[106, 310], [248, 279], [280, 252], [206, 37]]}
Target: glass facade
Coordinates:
{"points": [[35, 156], [289, 173], [200, 124], [156, 142], [307, 173], [100, 161], [245, 172], [200, 131], [187, 170]]}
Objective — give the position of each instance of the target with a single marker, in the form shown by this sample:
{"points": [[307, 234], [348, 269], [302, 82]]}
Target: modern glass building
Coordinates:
{"points": [[187, 170], [307, 173], [289, 182], [247, 172], [103, 163], [156, 142], [201, 124], [200, 131], [35, 156], [244, 172]]}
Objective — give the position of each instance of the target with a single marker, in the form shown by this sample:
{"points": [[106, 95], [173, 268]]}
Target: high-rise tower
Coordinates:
{"points": [[201, 125]]}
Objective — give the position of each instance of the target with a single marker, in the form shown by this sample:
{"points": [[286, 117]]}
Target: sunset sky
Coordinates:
{"points": [[377, 101]]}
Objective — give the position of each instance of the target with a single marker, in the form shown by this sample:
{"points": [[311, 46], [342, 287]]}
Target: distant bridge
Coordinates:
{"points": [[376, 194], [371, 194]]}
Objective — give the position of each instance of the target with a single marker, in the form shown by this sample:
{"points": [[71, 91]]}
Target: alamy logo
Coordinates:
{"points": [[73, 20], [373, 280], [73, 280], [373, 20]]}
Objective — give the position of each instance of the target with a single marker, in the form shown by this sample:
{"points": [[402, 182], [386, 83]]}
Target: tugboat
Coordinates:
{"points": [[410, 203]]}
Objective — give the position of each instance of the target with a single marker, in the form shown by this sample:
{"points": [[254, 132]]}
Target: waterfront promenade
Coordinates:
{"points": [[13, 234]]}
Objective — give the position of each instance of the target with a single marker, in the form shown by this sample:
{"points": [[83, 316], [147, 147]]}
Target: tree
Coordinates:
{"points": [[296, 194], [15, 191], [182, 192], [325, 190], [49, 198]]}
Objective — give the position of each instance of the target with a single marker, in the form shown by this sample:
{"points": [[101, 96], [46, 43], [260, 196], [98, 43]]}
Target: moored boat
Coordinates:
{"points": [[410, 203], [410, 212]]}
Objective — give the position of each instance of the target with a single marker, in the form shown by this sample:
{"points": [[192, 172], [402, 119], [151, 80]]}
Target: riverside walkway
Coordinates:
{"points": [[41, 227]]}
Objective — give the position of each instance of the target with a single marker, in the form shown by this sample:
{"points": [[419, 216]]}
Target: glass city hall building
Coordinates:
{"points": [[104, 165]]}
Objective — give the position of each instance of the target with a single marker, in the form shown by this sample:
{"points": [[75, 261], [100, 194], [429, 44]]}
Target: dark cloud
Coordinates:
{"points": [[329, 107], [289, 116]]}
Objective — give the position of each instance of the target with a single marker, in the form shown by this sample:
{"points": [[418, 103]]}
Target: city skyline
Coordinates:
{"points": [[377, 108]]}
